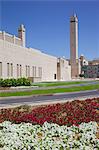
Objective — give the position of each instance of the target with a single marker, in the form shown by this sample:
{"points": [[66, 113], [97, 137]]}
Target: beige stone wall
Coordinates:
{"points": [[11, 53], [10, 38], [63, 70], [18, 61]]}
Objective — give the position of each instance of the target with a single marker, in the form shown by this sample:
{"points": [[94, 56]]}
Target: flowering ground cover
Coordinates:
{"points": [[49, 136], [68, 113], [62, 126]]}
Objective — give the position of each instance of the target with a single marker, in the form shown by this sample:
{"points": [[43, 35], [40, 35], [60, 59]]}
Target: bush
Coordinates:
{"points": [[23, 82], [26, 82], [14, 82], [6, 83], [1, 80]]}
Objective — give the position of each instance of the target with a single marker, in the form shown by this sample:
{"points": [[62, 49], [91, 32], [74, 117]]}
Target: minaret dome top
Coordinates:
{"points": [[21, 27], [74, 18]]}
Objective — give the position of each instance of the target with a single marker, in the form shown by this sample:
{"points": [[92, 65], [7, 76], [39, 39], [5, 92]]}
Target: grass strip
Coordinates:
{"points": [[50, 91], [47, 84]]}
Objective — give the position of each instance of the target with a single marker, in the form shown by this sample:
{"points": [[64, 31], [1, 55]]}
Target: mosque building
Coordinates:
{"points": [[16, 60]]}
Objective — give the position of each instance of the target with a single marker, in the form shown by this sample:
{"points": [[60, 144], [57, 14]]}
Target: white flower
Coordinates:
{"points": [[48, 136]]}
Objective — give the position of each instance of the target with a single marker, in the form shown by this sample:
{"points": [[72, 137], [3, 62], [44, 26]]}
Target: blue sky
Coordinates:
{"points": [[48, 27]]}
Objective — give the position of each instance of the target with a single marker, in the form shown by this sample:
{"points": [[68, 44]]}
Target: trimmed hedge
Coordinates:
{"points": [[14, 82]]}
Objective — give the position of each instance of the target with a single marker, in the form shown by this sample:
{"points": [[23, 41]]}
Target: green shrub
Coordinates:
{"points": [[23, 82], [6, 83], [14, 82], [26, 82], [20, 82], [1, 80]]}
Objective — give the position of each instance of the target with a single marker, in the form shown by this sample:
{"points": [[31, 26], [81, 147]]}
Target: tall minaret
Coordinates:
{"points": [[74, 46], [21, 34]]}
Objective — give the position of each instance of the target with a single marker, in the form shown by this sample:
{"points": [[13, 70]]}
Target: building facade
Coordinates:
{"points": [[94, 62], [83, 62], [16, 60], [89, 69], [74, 61]]}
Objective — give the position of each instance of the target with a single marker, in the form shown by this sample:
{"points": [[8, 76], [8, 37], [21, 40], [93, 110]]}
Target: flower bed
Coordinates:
{"points": [[26, 136], [69, 113], [71, 125]]}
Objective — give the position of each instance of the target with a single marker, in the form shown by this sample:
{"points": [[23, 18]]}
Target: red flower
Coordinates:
{"points": [[68, 113]]}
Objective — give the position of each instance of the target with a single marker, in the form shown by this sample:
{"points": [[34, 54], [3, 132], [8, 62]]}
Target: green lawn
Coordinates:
{"points": [[50, 91], [47, 84]]}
